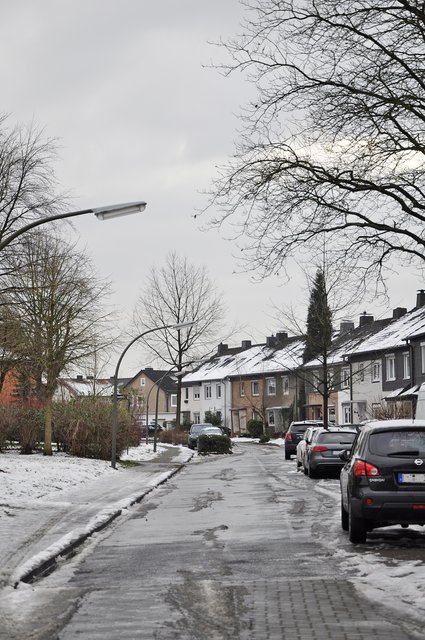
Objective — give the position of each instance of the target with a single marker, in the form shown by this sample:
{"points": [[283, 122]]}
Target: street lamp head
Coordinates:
{"points": [[118, 210], [183, 325]]}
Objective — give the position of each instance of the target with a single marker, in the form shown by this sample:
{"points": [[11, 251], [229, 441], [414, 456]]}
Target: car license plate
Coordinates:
{"points": [[412, 478]]}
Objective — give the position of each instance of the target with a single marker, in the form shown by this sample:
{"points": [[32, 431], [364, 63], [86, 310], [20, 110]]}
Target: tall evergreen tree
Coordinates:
{"points": [[319, 336]]}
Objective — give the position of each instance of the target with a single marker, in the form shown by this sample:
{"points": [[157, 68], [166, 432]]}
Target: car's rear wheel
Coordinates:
{"points": [[356, 528], [344, 517], [311, 472]]}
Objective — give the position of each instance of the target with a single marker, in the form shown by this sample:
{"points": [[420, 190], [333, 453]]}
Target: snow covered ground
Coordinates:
{"points": [[33, 477]]}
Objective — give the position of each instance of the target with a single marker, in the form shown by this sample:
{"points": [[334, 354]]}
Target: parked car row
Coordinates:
{"points": [[382, 471]]}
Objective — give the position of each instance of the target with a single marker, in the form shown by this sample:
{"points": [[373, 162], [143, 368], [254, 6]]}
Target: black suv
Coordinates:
{"points": [[295, 433], [383, 480]]}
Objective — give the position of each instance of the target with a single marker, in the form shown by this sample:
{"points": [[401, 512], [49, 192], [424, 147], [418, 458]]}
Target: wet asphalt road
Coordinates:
{"points": [[233, 547]]}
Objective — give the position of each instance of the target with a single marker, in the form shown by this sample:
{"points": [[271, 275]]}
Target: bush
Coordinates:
{"points": [[173, 437], [214, 444], [213, 418], [264, 439], [30, 429], [83, 427], [255, 428], [8, 425]]}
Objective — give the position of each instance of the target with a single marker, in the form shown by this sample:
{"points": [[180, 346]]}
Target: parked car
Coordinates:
{"points": [[295, 433], [323, 454], [195, 429], [151, 430], [383, 479], [302, 446]]}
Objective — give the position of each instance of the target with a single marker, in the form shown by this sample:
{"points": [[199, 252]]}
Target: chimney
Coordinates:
{"points": [[281, 336], [270, 341], [365, 319], [222, 348], [346, 326], [420, 298], [246, 344], [399, 312]]}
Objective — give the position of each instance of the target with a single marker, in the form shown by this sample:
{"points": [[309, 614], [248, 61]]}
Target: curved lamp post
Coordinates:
{"points": [[101, 213], [178, 326]]}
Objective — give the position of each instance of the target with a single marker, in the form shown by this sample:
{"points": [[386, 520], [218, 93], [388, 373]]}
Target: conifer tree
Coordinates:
{"points": [[319, 335]]}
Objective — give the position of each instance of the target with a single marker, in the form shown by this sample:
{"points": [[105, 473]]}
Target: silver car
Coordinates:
{"points": [[302, 448]]}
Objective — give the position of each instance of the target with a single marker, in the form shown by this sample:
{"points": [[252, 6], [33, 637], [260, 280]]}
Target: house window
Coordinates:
{"points": [[196, 393], [255, 389], [330, 378], [285, 385], [270, 418], [360, 373], [271, 386], [406, 365], [218, 391], [346, 414], [345, 377], [142, 382], [423, 357], [207, 392], [376, 372], [316, 379], [331, 414], [173, 399], [242, 389], [196, 418], [390, 367], [186, 393]]}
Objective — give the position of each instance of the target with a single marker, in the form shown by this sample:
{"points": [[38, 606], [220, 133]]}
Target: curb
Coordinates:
{"points": [[49, 559]]}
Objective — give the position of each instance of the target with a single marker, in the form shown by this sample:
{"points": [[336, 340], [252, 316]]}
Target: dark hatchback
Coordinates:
{"points": [[383, 479], [295, 434]]}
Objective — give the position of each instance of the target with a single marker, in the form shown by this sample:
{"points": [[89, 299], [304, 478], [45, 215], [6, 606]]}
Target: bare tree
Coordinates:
{"points": [[179, 292], [56, 304], [333, 145], [27, 181]]}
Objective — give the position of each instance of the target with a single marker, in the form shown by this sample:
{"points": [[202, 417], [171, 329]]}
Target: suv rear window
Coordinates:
{"points": [[299, 428], [336, 437], [398, 443]]}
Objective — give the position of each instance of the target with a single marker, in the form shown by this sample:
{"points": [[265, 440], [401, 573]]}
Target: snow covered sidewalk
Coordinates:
{"points": [[50, 505]]}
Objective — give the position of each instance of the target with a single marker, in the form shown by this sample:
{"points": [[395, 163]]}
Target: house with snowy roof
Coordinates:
{"points": [[336, 372], [70, 388], [388, 368], [246, 382], [148, 389]]}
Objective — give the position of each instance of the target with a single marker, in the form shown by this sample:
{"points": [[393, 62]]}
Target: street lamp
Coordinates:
{"points": [[101, 213], [178, 326]]}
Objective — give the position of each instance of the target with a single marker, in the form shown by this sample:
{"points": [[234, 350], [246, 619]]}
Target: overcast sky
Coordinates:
{"points": [[125, 87]]}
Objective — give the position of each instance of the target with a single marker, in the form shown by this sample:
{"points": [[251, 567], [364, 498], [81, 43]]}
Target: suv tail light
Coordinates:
{"points": [[288, 436], [319, 448], [362, 468]]}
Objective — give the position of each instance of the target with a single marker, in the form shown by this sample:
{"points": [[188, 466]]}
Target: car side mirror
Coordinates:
{"points": [[345, 455]]}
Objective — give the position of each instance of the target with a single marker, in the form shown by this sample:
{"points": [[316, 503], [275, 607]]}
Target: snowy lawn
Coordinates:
{"points": [[36, 476]]}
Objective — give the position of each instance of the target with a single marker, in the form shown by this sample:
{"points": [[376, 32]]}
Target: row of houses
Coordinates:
{"points": [[374, 368]]}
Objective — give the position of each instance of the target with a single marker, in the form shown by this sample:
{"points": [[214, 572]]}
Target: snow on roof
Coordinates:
{"points": [[393, 335], [86, 387], [256, 360]]}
